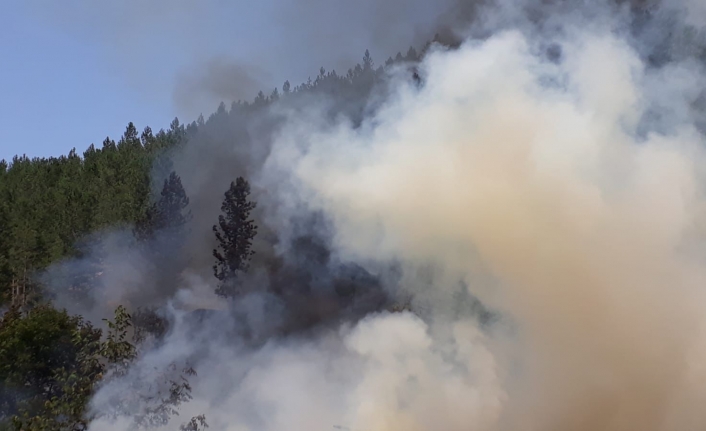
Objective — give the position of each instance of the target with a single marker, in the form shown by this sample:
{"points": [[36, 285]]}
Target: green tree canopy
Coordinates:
{"points": [[234, 232]]}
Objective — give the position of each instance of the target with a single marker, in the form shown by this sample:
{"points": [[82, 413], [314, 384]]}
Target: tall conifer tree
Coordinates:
{"points": [[168, 215], [234, 232], [162, 232]]}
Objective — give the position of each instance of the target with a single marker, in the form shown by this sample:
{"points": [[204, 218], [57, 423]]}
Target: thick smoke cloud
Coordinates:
{"points": [[233, 145], [535, 174], [564, 191]]}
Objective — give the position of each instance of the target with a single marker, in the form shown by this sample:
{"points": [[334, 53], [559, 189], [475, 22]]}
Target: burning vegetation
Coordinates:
{"points": [[498, 230]]}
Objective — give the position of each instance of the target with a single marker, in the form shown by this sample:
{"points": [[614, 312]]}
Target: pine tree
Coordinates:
{"points": [[166, 216], [411, 55], [367, 61], [162, 233], [234, 232]]}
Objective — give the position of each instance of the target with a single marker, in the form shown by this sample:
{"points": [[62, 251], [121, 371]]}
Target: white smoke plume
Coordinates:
{"points": [[539, 186]]}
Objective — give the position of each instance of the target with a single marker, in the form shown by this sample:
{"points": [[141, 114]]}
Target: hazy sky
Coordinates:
{"points": [[75, 71], [57, 92]]}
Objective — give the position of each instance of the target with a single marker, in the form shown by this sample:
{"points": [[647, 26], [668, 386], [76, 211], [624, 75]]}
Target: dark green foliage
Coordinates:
{"points": [[162, 232], [117, 350], [51, 363], [167, 215], [48, 366], [48, 205], [54, 364], [234, 232]]}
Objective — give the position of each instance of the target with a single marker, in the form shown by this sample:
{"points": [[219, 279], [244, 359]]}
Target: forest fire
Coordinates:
{"points": [[501, 229]]}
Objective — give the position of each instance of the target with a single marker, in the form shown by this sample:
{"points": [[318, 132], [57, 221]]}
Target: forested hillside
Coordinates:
{"points": [[50, 204], [502, 230], [57, 216]]}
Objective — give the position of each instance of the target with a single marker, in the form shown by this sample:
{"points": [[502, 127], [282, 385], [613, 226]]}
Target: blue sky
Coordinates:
{"points": [[75, 71], [56, 92]]}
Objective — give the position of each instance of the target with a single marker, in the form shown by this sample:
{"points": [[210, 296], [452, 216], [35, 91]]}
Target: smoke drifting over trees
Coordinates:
{"points": [[498, 228]]}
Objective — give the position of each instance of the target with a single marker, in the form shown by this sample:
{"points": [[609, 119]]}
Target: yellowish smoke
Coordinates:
{"points": [[542, 176]]}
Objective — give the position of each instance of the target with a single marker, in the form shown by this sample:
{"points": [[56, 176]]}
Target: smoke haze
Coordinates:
{"points": [[198, 53], [550, 167]]}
